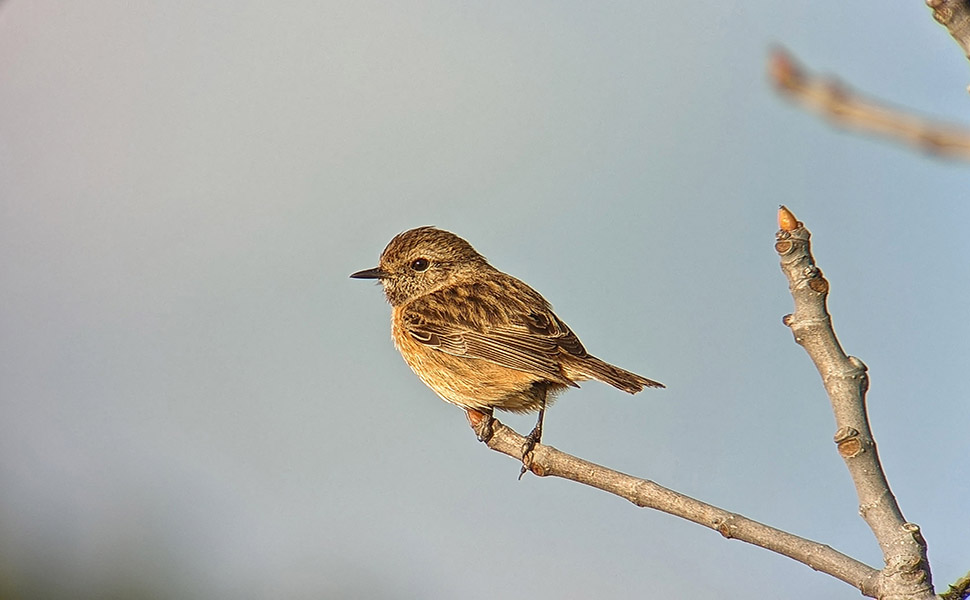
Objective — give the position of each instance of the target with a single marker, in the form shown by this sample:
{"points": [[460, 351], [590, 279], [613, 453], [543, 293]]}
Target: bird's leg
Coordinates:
{"points": [[534, 437], [481, 423]]}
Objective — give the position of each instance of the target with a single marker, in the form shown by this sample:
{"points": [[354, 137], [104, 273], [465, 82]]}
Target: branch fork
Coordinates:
{"points": [[906, 574]]}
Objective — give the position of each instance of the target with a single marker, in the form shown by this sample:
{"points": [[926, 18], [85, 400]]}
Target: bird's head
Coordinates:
{"points": [[421, 260]]}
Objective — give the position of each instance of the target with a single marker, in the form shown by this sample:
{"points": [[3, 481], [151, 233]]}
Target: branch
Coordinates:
{"points": [[547, 461], [955, 16], [848, 109], [907, 572]]}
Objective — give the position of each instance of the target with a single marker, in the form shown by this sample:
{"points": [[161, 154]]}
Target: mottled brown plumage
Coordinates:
{"points": [[478, 337]]}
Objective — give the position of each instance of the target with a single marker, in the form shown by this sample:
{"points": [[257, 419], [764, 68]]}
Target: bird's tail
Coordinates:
{"points": [[591, 367]]}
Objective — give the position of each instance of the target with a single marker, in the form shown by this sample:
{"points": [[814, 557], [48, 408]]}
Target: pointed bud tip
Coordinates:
{"points": [[786, 219]]}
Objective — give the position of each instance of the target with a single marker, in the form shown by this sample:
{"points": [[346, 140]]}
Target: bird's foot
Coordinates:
{"points": [[531, 440]]}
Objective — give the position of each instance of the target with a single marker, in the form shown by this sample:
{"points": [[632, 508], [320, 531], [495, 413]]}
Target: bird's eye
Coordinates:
{"points": [[420, 264]]}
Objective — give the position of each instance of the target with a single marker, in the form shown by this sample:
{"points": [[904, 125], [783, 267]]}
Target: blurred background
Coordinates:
{"points": [[196, 401]]}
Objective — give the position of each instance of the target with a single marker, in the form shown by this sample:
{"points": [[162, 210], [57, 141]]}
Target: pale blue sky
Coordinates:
{"points": [[195, 400]]}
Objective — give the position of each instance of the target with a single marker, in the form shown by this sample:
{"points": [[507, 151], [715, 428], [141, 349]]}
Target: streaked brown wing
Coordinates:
{"points": [[511, 336]]}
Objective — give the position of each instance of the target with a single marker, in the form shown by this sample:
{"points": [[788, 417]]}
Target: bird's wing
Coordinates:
{"points": [[518, 330]]}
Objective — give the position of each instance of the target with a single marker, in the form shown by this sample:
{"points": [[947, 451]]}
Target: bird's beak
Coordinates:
{"points": [[374, 273]]}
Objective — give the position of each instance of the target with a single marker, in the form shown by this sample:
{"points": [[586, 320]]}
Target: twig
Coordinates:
{"points": [[848, 109], [907, 572], [955, 16], [547, 461], [959, 589]]}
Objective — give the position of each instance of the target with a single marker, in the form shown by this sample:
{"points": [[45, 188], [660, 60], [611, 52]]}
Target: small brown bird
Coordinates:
{"points": [[479, 338]]}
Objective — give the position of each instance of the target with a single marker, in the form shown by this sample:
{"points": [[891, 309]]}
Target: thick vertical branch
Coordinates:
{"points": [[907, 572]]}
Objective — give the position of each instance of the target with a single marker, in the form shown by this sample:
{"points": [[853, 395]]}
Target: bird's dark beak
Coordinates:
{"points": [[374, 273]]}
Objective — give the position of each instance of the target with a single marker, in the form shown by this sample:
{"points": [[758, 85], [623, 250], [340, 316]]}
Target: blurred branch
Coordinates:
{"points": [[959, 590], [955, 16], [907, 571], [546, 461], [850, 110]]}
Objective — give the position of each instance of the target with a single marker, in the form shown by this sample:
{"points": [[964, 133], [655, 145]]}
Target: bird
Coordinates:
{"points": [[480, 338]]}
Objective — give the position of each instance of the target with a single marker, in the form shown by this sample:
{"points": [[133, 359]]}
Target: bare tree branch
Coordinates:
{"points": [[848, 109], [546, 461], [955, 16], [907, 572]]}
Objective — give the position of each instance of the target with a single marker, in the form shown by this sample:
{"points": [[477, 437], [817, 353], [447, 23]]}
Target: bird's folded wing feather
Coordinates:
{"points": [[517, 337]]}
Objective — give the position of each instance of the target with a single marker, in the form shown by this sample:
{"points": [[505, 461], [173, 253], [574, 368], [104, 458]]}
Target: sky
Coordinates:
{"points": [[196, 400]]}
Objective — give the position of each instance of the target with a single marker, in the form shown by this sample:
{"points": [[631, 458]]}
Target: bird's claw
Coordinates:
{"points": [[527, 449]]}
